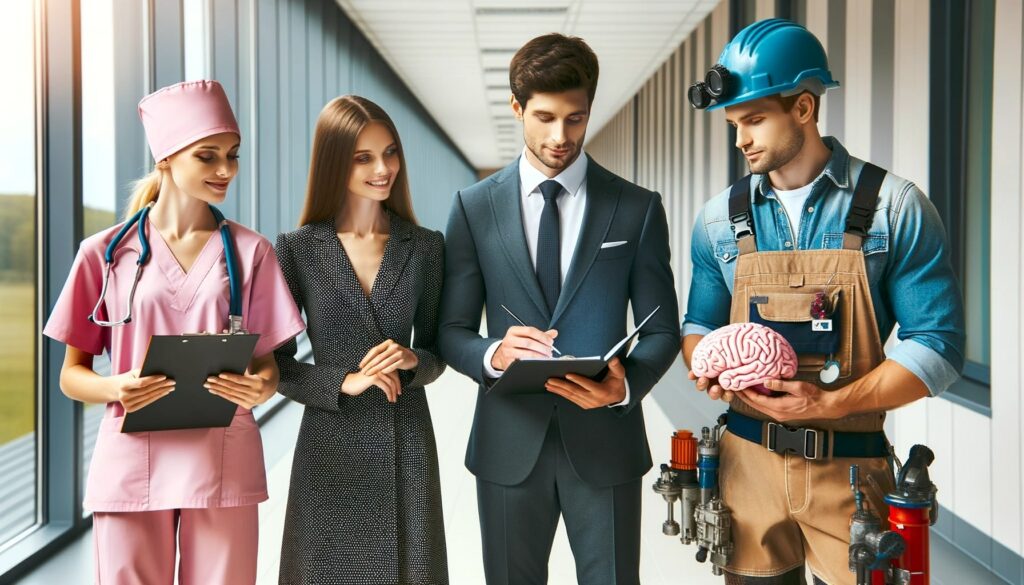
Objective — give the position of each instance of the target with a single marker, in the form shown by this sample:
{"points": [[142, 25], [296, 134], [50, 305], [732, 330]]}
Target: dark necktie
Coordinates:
{"points": [[549, 249]]}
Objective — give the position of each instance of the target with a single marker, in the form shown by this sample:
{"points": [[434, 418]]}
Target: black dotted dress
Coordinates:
{"points": [[364, 506]]}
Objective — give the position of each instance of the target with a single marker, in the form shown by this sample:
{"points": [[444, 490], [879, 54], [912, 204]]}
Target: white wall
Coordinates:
{"points": [[1007, 290]]}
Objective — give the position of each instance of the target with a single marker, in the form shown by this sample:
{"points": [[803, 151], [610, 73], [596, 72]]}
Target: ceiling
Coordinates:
{"points": [[454, 55]]}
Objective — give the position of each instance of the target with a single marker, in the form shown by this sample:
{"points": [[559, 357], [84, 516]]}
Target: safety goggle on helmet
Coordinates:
{"points": [[773, 56]]}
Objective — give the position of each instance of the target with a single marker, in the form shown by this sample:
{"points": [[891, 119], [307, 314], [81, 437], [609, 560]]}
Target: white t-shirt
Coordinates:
{"points": [[793, 201]]}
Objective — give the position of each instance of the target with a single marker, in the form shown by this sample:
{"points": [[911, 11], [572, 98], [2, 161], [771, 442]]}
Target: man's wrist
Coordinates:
{"points": [[839, 403], [489, 368], [624, 400]]}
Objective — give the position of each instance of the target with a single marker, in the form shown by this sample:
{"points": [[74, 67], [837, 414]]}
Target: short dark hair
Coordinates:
{"points": [[789, 101], [553, 63]]}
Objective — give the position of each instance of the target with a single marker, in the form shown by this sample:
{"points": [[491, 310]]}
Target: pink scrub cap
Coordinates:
{"points": [[183, 113]]}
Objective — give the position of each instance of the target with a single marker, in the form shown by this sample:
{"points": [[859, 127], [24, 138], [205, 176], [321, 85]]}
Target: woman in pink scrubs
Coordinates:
{"points": [[193, 493]]}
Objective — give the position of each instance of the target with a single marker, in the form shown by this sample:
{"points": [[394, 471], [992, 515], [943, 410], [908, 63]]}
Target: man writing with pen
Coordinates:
{"points": [[566, 247], [529, 335]]}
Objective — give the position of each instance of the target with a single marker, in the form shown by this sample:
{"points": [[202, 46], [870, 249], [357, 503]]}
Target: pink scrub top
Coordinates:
{"points": [[191, 468]]}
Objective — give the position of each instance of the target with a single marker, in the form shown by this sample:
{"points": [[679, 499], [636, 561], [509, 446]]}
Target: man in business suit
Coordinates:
{"points": [[567, 246]]}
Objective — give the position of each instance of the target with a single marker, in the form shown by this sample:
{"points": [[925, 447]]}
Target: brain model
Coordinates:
{"points": [[743, 355]]}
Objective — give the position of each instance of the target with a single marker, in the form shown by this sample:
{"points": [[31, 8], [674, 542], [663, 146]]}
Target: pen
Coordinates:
{"points": [[520, 321]]}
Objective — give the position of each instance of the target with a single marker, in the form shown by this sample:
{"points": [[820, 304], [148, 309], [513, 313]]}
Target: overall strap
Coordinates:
{"points": [[740, 216], [862, 209]]}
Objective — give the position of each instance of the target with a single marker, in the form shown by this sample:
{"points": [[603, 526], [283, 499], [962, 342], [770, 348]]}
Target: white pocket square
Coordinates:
{"points": [[613, 244]]}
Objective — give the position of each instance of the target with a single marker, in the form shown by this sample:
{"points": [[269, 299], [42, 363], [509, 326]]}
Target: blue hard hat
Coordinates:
{"points": [[773, 56]]}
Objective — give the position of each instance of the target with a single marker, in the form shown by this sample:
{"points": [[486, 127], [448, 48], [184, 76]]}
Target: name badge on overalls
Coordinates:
{"points": [[821, 325]]}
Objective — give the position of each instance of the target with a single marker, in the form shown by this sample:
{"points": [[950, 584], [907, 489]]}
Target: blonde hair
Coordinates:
{"points": [[144, 191], [334, 143]]}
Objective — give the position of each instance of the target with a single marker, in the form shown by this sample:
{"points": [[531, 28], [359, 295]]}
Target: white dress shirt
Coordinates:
{"points": [[572, 203]]}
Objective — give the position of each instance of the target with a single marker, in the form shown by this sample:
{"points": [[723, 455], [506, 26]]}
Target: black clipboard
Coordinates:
{"points": [[529, 376], [189, 360]]}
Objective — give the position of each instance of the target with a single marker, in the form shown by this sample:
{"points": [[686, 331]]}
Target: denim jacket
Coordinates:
{"points": [[908, 265]]}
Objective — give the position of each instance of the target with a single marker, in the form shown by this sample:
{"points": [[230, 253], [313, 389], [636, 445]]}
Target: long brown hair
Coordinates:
{"points": [[334, 143]]}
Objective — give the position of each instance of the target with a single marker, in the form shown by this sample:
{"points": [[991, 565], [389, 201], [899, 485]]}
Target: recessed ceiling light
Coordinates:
{"points": [[521, 10]]}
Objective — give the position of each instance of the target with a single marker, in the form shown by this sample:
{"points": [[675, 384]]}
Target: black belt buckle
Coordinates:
{"points": [[805, 442]]}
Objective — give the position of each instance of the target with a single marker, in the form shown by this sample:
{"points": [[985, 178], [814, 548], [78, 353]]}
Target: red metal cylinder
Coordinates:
{"points": [[913, 525], [684, 451]]}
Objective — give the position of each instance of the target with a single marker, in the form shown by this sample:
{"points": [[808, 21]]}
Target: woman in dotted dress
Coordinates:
{"points": [[365, 499]]}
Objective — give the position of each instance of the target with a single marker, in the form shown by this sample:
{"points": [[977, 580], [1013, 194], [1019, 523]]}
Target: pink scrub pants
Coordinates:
{"points": [[216, 545]]}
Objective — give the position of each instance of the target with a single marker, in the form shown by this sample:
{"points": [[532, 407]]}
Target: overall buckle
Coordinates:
{"points": [[742, 225], [805, 442]]}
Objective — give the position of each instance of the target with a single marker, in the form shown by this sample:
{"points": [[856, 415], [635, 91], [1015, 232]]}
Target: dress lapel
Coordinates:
{"points": [[338, 269], [603, 189], [506, 205], [396, 255]]}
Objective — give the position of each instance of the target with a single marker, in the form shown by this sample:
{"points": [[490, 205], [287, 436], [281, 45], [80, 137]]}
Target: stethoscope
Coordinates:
{"points": [[139, 220]]}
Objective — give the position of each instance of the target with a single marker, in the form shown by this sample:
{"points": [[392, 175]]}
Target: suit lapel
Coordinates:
{"points": [[603, 190], [506, 205]]}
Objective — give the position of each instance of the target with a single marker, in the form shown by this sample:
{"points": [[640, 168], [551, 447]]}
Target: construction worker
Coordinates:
{"points": [[832, 252]]}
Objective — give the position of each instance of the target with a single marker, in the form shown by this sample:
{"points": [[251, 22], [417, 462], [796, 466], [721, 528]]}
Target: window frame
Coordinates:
{"points": [[57, 114], [950, 42]]}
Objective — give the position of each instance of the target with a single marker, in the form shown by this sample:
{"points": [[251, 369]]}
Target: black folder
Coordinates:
{"points": [[189, 360], [529, 376]]}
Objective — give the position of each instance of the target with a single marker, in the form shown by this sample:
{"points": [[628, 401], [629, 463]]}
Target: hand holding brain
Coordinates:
{"points": [[743, 355]]}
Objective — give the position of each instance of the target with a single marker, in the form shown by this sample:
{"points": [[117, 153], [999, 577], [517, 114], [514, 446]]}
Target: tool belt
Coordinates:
{"points": [[809, 443]]}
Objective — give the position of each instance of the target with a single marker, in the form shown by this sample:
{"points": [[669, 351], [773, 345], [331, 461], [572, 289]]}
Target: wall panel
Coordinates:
{"points": [[686, 215], [267, 186], [857, 83], [1007, 283]]}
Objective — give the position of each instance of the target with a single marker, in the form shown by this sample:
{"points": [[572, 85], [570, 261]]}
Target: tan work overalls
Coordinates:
{"points": [[788, 510]]}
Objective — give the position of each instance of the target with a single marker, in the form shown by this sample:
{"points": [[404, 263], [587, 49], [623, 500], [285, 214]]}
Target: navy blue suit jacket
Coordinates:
{"points": [[487, 264]]}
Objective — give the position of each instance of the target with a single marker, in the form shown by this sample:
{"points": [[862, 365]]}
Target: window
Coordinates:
{"points": [[197, 39], [18, 271], [99, 186], [978, 194], [960, 170]]}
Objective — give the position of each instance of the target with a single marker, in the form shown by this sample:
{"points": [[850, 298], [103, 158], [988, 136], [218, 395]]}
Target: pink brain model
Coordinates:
{"points": [[743, 355]]}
